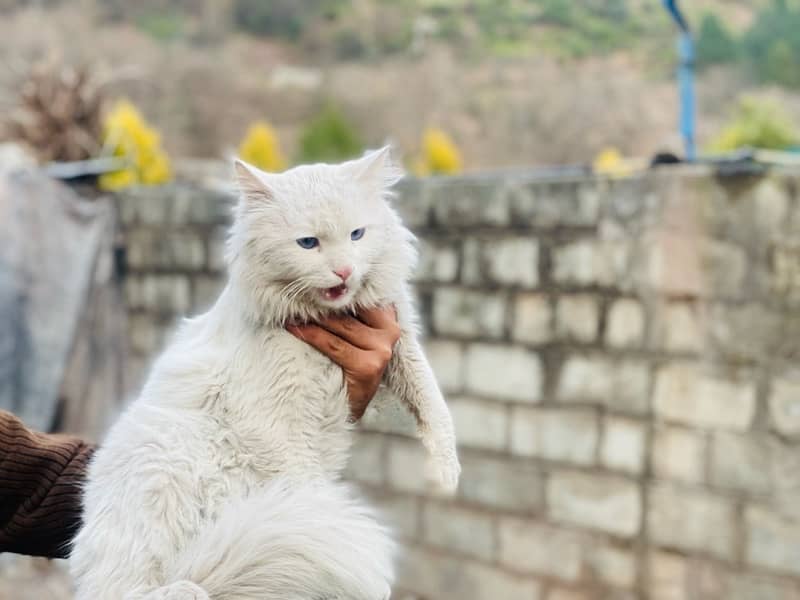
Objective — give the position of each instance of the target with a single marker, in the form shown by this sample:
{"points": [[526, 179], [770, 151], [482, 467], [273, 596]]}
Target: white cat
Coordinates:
{"points": [[222, 480]]}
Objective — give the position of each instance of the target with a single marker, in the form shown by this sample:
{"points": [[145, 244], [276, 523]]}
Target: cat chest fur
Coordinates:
{"points": [[282, 408]]}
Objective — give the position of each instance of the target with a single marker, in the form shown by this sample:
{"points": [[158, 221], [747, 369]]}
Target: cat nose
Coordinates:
{"points": [[343, 273]]}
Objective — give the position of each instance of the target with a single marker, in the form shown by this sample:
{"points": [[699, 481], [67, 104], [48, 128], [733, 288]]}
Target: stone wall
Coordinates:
{"points": [[621, 360]]}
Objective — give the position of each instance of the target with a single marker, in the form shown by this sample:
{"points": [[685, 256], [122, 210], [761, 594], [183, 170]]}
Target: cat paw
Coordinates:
{"points": [[180, 590], [443, 470]]}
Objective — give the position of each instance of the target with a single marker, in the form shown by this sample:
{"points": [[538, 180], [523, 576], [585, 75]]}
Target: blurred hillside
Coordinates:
{"points": [[512, 81]]}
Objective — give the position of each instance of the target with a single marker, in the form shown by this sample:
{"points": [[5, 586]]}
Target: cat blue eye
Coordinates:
{"points": [[357, 234], [308, 242]]}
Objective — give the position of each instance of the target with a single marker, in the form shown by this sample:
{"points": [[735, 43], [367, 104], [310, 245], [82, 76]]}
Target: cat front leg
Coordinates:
{"points": [[411, 379]]}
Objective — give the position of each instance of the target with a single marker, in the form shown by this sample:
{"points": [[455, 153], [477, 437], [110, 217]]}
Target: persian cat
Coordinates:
{"points": [[223, 479]]}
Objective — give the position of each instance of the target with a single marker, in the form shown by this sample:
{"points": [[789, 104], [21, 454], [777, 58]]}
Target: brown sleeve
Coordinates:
{"points": [[41, 478]]}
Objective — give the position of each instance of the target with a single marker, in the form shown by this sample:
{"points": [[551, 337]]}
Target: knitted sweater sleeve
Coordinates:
{"points": [[41, 478]]}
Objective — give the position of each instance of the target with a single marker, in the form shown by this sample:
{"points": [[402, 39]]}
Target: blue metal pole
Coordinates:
{"points": [[686, 86], [685, 79]]}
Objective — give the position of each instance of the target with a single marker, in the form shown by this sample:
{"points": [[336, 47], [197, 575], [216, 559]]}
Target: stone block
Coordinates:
{"points": [[785, 272], [136, 370], [465, 203], [533, 319], [388, 414], [601, 502], [505, 261], [624, 444], [773, 542], [678, 454], [577, 318], [468, 313], [744, 333], [747, 586], [400, 512], [672, 265], [127, 210], [625, 327], [667, 577], [532, 547], [503, 372], [725, 268], [146, 205], [480, 424], [145, 334], [784, 406], [542, 204], [216, 249], [770, 208], [149, 249], [180, 203], [431, 574], [555, 434], [680, 327], [210, 206], [205, 291], [686, 394], [593, 262], [559, 593], [159, 293], [447, 361], [708, 578], [459, 530], [787, 501], [692, 521], [406, 466], [438, 262], [501, 484], [612, 565], [634, 203], [741, 462], [174, 204], [413, 201], [367, 459], [785, 471], [621, 385]]}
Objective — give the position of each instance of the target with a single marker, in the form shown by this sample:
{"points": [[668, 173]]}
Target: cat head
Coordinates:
{"points": [[318, 238]]}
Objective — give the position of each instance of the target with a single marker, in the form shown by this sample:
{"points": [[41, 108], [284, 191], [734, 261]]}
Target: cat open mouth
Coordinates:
{"points": [[334, 293]]}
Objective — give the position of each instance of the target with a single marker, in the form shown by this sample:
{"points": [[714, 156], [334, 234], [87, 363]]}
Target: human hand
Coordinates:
{"points": [[362, 346]]}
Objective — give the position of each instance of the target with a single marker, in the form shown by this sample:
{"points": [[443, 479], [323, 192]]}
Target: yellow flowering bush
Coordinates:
{"points": [[260, 147], [130, 137], [756, 124], [611, 163], [440, 156]]}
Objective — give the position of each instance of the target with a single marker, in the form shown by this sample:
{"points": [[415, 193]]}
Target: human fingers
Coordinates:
{"points": [[331, 345], [355, 332], [383, 318]]}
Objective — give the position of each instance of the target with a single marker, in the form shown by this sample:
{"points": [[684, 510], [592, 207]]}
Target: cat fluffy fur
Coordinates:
{"points": [[222, 480]]}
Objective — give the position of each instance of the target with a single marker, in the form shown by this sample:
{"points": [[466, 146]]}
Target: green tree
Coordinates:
{"points": [[329, 137], [772, 43], [781, 64], [756, 124], [715, 44], [281, 18], [558, 12]]}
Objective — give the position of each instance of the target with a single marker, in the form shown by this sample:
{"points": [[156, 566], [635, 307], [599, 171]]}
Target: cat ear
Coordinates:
{"points": [[252, 181], [376, 167]]}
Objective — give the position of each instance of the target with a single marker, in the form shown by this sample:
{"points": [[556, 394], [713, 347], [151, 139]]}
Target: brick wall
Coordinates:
{"points": [[621, 360]]}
